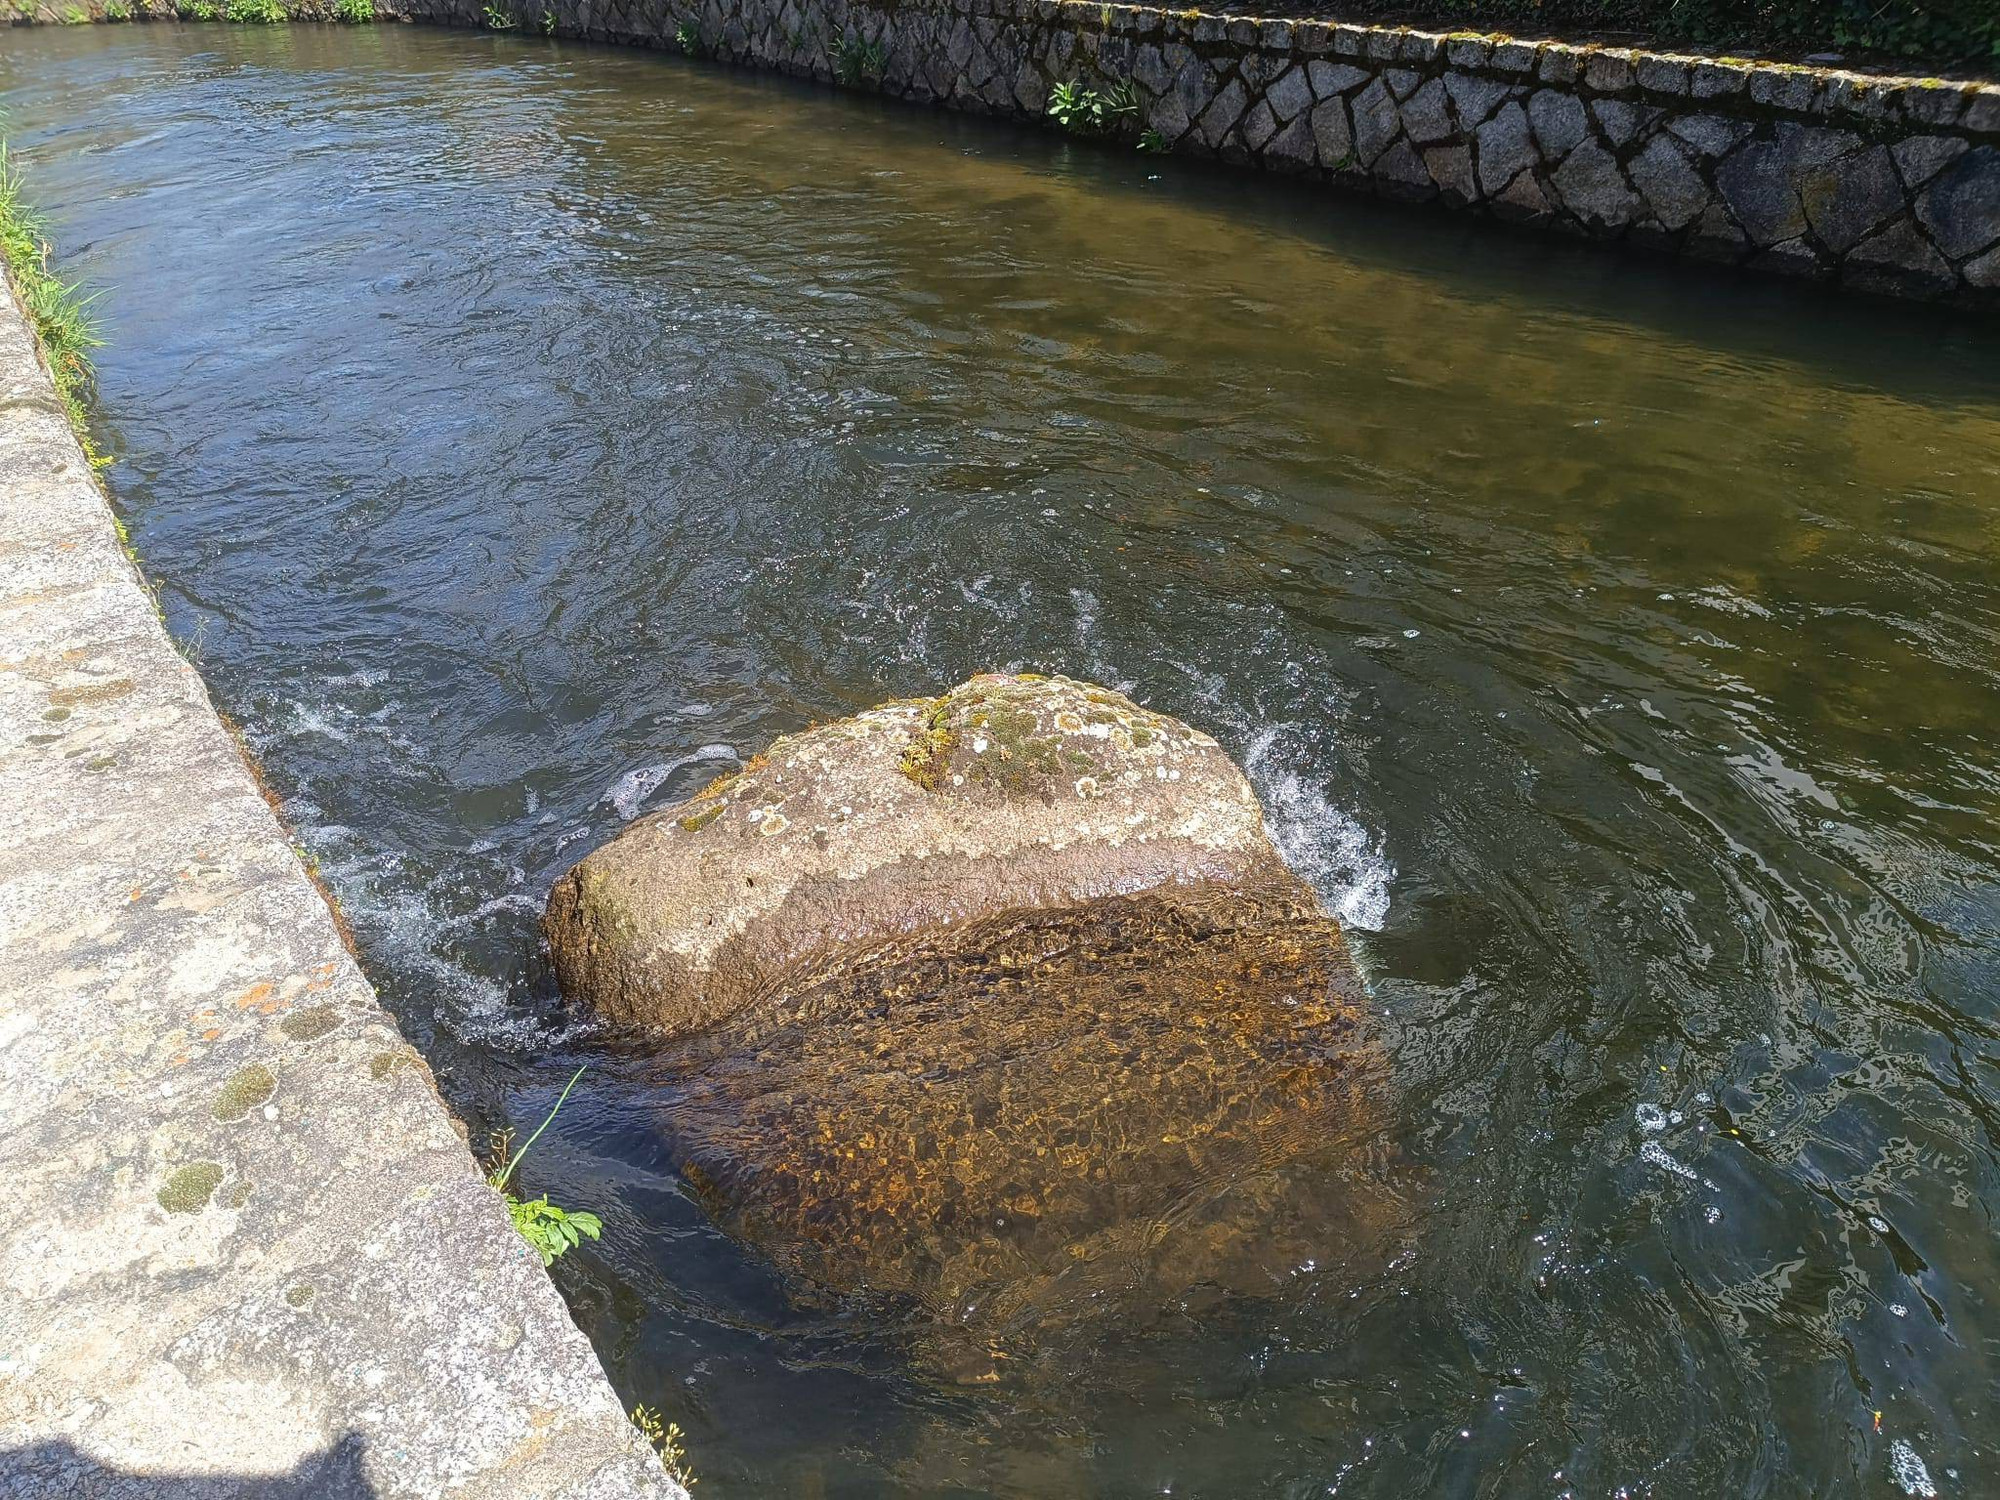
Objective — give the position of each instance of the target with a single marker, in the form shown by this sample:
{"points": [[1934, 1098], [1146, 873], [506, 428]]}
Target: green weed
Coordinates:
{"points": [[255, 12], [498, 19], [117, 10], [1088, 111], [551, 1230], [354, 12], [75, 15], [666, 1439], [688, 39], [856, 61]]}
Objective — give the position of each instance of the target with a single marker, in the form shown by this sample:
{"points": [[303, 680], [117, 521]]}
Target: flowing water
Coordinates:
{"points": [[521, 433]]}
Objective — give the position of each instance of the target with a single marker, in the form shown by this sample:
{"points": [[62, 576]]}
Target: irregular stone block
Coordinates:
{"points": [[1590, 185], [1522, 200], [1333, 136], [1259, 125], [1961, 206], [1559, 63], [1983, 271], [1474, 98], [1920, 158], [1936, 104], [1421, 49], [1427, 115], [1845, 207], [1610, 72], [1222, 113], [1473, 52], [1662, 75], [1711, 136], [1292, 150], [1718, 237], [1622, 121], [1376, 122], [1331, 79], [1505, 148], [1402, 174], [1898, 261], [1402, 82], [1763, 180], [1149, 69], [1516, 58], [1451, 169], [1718, 80], [1194, 88], [1168, 116], [1291, 95], [1559, 121], [1671, 187]]}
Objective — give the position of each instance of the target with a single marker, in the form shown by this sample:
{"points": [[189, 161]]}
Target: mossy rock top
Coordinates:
{"points": [[1009, 791]]}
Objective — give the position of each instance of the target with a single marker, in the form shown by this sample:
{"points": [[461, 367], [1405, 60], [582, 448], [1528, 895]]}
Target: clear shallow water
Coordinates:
{"points": [[521, 432]]}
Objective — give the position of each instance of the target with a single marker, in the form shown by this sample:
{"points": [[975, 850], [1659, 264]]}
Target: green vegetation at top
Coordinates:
{"points": [[1938, 32], [60, 317]]}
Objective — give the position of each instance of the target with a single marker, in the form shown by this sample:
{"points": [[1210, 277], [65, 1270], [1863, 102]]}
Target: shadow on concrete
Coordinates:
{"points": [[60, 1471]]}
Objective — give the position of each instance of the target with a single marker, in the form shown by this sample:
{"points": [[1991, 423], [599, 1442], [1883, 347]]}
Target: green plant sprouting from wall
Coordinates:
{"points": [[498, 19], [1088, 111], [667, 1440], [255, 12], [856, 61], [354, 12], [117, 10], [196, 10], [61, 318], [551, 1230]]}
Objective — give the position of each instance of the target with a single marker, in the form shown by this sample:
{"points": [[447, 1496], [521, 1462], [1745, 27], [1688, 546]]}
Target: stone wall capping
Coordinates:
{"points": [[1559, 63]]}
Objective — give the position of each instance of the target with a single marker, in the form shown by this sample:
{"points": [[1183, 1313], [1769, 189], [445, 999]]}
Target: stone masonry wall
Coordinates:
{"points": [[1887, 184]]}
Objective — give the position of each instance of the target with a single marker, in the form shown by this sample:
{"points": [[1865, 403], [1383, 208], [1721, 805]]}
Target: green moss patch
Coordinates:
{"points": [[247, 1088], [189, 1189]]}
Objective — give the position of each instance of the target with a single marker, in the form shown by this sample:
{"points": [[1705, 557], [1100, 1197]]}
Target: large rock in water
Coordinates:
{"points": [[1006, 792], [994, 1003]]}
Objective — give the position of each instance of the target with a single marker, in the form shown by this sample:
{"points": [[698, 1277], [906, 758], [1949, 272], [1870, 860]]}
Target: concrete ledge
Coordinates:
{"points": [[247, 1252]]}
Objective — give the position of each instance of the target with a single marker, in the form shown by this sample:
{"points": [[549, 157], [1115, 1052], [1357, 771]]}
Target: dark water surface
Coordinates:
{"points": [[520, 433]]}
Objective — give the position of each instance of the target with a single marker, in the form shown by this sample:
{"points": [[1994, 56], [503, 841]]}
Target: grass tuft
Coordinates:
{"points": [[61, 318]]}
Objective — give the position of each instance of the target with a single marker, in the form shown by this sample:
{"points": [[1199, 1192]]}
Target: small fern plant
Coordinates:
{"points": [[552, 1231]]}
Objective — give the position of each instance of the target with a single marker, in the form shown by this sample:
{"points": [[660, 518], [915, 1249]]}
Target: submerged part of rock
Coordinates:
{"points": [[996, 1003], [1007, 1120]]}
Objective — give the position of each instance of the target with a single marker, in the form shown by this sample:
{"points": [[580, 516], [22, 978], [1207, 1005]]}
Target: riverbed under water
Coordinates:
{"points": [[520, 433]]}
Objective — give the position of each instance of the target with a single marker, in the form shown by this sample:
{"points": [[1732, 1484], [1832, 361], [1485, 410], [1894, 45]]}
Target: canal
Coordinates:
{"points": [[521, 433]]}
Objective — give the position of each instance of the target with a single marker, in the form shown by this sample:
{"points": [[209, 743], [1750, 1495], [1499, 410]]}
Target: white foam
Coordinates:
{"points": [[629, 792], [1656, 1155], [1909, 1471], [1319, 840]]}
